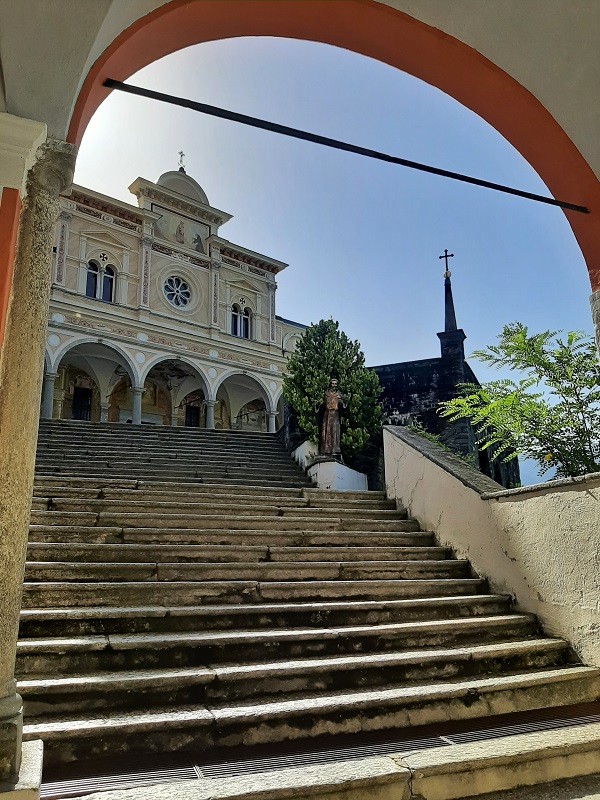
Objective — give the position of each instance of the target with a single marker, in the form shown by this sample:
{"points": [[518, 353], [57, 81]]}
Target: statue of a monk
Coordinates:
{"points": [[329, 430]]}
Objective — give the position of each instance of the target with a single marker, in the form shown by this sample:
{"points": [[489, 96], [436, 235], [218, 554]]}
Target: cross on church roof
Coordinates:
{"points": [[446, 256]]}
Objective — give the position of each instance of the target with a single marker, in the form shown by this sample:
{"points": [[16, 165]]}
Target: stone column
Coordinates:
{"points": [[174, 420], [210, 414], [136, 414], [272, 332], [21, 368], [48, 395], [104, 411], [214, 288], [272, 418]]}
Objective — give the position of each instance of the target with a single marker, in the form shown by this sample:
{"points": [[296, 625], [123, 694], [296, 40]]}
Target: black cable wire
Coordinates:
{"points": [[295, 133]]}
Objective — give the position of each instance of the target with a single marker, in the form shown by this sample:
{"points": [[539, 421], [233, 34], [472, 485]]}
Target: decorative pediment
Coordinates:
{"points": [[105, 238], [244, 286]]}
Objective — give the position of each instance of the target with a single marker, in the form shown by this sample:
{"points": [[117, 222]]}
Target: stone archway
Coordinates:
{"points": [[248, 404], [373, 29], [176, 393], [85, 373]]}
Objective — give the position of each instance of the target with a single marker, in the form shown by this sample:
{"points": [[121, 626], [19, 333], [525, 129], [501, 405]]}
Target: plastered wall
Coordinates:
{"points": [[540, 545]]}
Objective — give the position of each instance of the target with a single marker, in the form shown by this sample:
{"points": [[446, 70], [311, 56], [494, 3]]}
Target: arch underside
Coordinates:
{"points": [[376, 30]]}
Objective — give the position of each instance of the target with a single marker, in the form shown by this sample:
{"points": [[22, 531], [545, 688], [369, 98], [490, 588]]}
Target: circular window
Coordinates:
{"points": [[177, 291]]}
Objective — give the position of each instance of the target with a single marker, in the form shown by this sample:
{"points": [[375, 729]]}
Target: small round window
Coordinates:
{"points": [[177, 291]]}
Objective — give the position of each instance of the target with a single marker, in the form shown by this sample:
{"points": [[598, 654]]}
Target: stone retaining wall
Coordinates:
{"points": [[541, 544]]}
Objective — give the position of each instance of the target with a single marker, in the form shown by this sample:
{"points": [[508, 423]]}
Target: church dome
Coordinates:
{"points": [[178, 181]]}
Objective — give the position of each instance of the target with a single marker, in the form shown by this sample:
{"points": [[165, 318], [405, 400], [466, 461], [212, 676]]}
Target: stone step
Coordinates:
{"points": [[87, 429], [183, 438], [44, 493], [195, 727], [555, 764], [143, 519], [108, 483], [61, 452], [51, 697], [158, 454], [198, 469], [134, 445], [207, 478], [295, 507], [255, 571], [62, 594], [77, 621], [43, 483], [108, 553], [276, 537], [268, 445], [49, 656]]}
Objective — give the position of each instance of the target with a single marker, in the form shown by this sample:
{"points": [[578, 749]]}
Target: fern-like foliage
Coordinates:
{"points": [[552, 415]]}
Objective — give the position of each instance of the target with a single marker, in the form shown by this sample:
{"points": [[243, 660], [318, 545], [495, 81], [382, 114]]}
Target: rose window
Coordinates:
{"points": [[177, 292]]}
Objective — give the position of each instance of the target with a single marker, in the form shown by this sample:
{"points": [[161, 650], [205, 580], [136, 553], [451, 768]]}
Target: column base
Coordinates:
{"points": [[28, 782], [11, 731]]}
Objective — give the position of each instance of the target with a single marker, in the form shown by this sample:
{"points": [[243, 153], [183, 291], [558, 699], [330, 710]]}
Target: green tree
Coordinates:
{"points": [[324, 352], [551, 415]]}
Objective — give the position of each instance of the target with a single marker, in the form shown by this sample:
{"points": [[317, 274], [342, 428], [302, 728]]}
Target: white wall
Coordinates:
{"points": [[540, 544]]}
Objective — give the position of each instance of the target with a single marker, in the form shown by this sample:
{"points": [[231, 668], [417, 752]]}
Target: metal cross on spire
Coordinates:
{"points": [[181, 164], [446, 256]]}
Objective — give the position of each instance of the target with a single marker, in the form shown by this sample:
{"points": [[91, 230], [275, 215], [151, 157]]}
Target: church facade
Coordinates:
{"points": [[155, 318]]}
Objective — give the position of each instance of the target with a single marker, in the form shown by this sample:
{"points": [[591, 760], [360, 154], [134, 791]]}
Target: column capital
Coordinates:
{"points": [[53, 169], [19, 141], [138, 389]]}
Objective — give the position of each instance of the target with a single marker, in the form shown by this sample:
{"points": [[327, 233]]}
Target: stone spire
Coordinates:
{"points": [[458, 435], [452, 338], [449, 313]]}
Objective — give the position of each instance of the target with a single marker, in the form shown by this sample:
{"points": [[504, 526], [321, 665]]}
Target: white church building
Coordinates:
{"points": [[156, 319]]}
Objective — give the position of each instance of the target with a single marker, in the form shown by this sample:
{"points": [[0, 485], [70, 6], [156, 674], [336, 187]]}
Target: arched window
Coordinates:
{"points": [[240, 322], [236, 320], [245, 334], [91, 284], [108, 284]]}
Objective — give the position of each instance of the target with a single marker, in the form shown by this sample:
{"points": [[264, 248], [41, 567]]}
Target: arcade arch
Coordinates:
{"points": [[175, 393], [248, 402], [80, 381]]}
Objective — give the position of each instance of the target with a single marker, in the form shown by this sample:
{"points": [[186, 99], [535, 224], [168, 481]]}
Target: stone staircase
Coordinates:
{"points": [[188, 589]]}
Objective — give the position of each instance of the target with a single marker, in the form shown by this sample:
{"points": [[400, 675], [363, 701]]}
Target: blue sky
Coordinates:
{"points": [[362, 238]]}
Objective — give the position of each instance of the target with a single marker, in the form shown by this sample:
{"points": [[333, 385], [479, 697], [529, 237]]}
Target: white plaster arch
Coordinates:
{"points": [[153, 362], [188, 386], [267, 394], [129, 364]]}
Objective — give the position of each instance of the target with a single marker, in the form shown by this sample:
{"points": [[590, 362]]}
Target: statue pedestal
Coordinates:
{"points": [[327, 473], [305, 454]]}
